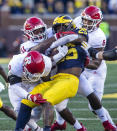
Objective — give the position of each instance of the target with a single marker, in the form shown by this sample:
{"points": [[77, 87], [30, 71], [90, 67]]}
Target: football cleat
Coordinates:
{"points": [[27, 129], [82, 129], [108, 126], [56, 126]]}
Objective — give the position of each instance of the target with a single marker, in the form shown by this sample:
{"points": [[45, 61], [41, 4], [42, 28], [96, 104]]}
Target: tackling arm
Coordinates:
{"points": [[56, 41], [105, 55]]}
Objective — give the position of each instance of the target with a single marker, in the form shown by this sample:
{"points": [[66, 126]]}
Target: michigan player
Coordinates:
{"points": [[4, 108]]}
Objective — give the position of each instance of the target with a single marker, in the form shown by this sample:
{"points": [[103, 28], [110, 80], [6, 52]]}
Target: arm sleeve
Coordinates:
{"points": [[110, 55], [64, 40]]}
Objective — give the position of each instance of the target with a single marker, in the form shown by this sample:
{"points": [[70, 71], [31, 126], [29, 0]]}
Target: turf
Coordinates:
{"points": [[77, 105]]}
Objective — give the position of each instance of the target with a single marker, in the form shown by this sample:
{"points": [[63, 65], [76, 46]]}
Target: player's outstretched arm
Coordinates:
{"points": [[41, 47], [8, 111], [104, 55]]}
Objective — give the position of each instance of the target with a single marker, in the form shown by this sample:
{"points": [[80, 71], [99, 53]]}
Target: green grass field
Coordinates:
{"points": [[78, 105]]}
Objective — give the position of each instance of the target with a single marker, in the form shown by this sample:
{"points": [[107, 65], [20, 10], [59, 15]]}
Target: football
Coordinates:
{"points": [[54, 52]]}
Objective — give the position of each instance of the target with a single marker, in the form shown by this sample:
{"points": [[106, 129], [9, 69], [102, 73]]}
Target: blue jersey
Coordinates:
{"points": [[75, 57], [82, 31]]}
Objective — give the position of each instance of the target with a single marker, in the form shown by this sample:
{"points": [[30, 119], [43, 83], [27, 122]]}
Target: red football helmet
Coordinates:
{"points": [[91, 18], [35, 29], [33, 66]]}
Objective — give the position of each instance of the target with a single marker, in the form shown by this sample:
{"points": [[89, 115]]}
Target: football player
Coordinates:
{"points": [[88, 92], [4, 108], [91, 18]]}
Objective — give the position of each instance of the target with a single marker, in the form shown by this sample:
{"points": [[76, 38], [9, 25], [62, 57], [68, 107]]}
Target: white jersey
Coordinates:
{"points": [[97, 39], [16, 65], [26, 46]]}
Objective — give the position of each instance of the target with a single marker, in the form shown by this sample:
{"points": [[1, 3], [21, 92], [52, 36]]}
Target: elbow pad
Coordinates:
{"points": [[92, 52], [110, 55]]}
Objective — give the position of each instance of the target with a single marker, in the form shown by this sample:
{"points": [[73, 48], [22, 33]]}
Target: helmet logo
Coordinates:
{"points": [[28, 26], [27, 60]]}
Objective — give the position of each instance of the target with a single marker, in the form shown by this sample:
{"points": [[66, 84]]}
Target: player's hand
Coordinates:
{"points": [[1, 87], [37, 98], [62, 50]]}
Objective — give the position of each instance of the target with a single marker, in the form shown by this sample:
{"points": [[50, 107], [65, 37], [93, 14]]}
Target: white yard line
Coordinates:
{"points": [[86, 109], [86, 101]]}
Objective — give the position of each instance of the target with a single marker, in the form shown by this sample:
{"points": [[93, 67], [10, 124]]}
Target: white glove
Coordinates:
{"points": [[62, 53], [1, 87], [85, 46]]}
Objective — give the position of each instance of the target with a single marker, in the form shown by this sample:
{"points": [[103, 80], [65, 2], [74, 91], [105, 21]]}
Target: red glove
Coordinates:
{"points": [[58, 35], [37, 98]]}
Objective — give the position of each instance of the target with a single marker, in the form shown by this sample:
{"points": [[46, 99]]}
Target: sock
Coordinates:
{"points": [[109, 117], [32, 124], [101, 114], [23, 116], [59, 119], [77, 125]]}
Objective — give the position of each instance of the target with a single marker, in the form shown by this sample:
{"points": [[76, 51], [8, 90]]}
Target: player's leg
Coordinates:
{"points": [[7, 110], [98, 88], [86, 90], [64, 112]]}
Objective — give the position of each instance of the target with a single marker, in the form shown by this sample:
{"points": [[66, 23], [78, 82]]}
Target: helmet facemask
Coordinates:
{"points": [[37, 34], [91, 24], [35, 29], [61, 27], [29, 76]]}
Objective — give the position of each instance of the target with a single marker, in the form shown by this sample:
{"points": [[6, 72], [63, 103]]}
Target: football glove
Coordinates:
{"points": [[62, 51], [37, 98]]}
